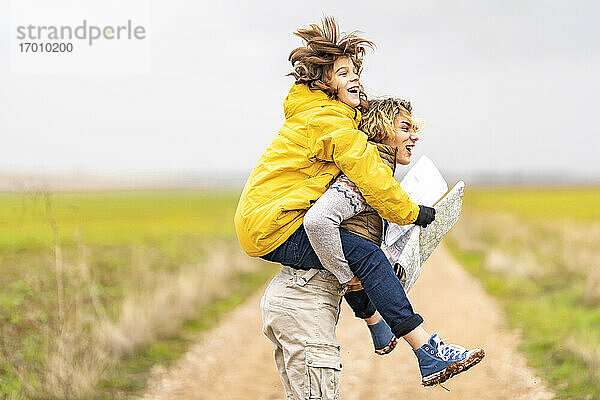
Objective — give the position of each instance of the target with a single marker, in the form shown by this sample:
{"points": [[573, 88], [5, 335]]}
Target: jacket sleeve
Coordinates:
{"points": [[335, 139], [322, 225]]}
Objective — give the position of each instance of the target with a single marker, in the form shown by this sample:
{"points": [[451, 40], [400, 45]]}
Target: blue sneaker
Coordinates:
{"points": [[439, 362]]}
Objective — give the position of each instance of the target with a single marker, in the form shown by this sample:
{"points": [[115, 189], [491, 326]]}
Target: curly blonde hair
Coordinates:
{"points": [[378, 120], [313, 62]]}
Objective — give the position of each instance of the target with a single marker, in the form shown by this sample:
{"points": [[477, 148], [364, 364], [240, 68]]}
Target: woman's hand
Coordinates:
{"points": [[426, 216]]}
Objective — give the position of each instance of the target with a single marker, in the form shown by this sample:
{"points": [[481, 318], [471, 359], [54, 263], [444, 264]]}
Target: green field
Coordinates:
{"points": [[579, 204], [537, 251], [113, 217], [70, 261]]}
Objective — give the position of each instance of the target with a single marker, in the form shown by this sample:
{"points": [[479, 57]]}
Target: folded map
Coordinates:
{"points": [[410, 246]]}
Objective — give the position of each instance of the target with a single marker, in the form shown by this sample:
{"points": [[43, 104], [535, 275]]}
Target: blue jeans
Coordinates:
{"points": [[368, 263], [360, 303]]}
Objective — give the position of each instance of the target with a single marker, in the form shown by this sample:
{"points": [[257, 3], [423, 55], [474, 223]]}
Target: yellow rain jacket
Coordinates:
{"points": [[319, 138]]}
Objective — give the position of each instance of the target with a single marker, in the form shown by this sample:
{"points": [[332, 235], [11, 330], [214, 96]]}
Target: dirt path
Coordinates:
{"points": [[234, 361]]}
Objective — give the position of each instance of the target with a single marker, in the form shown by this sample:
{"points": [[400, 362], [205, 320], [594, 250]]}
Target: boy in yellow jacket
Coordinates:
{"points": [[318, 140]]}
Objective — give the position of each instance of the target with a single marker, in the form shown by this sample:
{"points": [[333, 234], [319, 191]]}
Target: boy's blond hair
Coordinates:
{"points": [[378, 120], [313, 62]]}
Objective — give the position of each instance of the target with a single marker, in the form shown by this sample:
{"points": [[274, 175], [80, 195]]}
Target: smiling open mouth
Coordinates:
{"points": [[353, 90], [409, 148]]}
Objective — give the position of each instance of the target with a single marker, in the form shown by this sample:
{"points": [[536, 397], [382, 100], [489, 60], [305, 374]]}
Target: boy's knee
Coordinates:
{"points": [[360, 303]]}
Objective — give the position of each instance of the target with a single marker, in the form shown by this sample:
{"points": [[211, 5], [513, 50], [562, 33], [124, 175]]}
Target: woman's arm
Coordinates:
{"points": [[322, 224]]}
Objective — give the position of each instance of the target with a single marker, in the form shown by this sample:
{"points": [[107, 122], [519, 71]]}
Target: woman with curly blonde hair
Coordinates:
{"points": [[390, 127]]}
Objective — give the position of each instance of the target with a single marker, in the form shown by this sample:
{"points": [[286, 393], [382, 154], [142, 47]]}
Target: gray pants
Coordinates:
{"points": [[300, 310]]}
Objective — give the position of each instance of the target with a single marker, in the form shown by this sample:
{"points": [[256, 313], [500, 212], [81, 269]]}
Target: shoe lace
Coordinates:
{"points": [[449, 351]]}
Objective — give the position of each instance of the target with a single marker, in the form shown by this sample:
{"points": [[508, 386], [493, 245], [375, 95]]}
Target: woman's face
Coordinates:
{"points": [[344, 81], [405, 139]]}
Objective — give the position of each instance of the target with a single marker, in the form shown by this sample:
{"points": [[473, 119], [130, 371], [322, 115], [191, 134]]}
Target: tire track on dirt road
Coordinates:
{"points": [[235, 361]]}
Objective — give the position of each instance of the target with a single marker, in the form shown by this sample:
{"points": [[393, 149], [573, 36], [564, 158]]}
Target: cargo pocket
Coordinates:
{"points": [[323, 368]]}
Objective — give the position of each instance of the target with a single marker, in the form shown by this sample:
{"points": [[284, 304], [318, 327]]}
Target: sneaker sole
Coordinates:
{"points": [[453, 369], [387, 349]]}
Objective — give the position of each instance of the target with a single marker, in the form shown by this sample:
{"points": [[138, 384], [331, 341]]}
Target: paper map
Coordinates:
{"points": [[410, 246]]}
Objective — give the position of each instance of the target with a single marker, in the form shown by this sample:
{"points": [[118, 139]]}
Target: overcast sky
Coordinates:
{"points": [[503, 87]]}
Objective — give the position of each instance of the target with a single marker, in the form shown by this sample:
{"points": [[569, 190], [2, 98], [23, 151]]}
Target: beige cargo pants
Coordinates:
{"points": [[300, 310]]}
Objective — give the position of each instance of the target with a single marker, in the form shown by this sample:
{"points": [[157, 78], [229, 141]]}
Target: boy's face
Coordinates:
{"points": [[344, 81], [405, 139]]}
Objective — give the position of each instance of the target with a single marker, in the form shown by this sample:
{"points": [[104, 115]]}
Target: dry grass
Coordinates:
{"points": [[74, 363], [84, 343], [548, 274], [88, 278], [162, 307], [533, 249]]}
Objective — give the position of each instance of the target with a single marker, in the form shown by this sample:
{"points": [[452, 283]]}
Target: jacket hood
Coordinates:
{"points": [[301, 98]]}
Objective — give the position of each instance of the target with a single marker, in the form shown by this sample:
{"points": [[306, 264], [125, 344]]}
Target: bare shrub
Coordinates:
{"points": [[74, 363]]}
